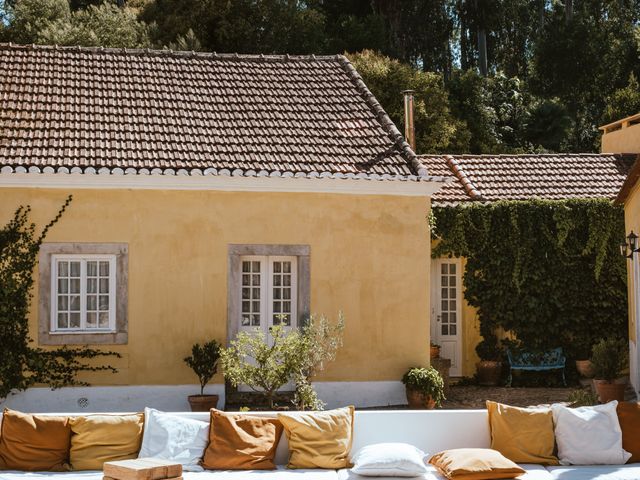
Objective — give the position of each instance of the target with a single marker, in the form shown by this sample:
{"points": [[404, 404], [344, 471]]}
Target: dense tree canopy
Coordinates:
{"points": [[499, 75]]}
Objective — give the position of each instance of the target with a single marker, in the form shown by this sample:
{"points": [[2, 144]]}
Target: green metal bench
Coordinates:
{"points": [[529, 361]]}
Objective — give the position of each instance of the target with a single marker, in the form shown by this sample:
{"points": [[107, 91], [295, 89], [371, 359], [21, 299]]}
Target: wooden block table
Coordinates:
{"points": [[142, 469]]}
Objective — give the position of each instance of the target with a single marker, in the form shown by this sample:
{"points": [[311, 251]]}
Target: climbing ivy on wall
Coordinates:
{"points": [[22, 365], [548, 271]]}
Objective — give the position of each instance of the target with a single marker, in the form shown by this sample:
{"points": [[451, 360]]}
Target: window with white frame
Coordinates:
{"points": [[83, 293], [268, 292]]}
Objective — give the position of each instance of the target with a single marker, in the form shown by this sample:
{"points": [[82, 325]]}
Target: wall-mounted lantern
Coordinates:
{"points": [[628, 248]]}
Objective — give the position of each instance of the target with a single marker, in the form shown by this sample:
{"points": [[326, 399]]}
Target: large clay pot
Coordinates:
{"points": [[435, 351], [489, 372], [419, 401], [585, 368], [609, 391], [203, 403]]}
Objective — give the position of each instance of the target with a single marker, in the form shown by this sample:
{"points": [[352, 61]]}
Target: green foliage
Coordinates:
{"points": [[21, 365], [267, 364], [623, 102], [204, 361], [387, 78], [548, 271], [53, 22], [427, 381], [582, 398], [609, 357]]}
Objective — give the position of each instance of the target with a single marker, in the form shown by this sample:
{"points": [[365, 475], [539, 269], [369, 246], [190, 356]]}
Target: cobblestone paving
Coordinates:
{"points": [[469, 397]]}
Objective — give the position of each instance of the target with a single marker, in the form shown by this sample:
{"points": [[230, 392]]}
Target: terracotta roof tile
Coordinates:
{"points": [[95, 107], [520, 177]]}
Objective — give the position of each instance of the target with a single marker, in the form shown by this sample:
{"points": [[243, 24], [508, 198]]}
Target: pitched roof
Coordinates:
{"points": [[520, 177], [139, 111]]}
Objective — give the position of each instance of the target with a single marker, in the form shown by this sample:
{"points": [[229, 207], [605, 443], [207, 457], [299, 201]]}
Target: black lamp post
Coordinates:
{"points": [[628, 248]]}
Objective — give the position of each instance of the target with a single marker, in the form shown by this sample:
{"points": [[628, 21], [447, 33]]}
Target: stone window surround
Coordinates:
{"points": [[120, 336], [302, 252]]}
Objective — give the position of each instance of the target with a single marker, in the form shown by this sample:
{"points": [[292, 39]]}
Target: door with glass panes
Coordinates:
{"points": [[446, 320], [268, 293], [268, 296]]}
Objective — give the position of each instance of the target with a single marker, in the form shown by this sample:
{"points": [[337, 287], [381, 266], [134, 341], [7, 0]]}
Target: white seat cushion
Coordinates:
{"points": [[282, 473], [532, 472], [599, 472]]}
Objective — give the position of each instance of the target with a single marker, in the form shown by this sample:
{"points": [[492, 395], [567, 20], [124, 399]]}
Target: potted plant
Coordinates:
{"points": [[204, 362], [489, 368], [424, 388], [583, 362], [609, 357], [435, 350]]}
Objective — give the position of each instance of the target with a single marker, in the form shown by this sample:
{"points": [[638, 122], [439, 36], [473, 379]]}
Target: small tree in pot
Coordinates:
{"points": [[424, 388], [490, 365], [609, 357], [204, 362]]}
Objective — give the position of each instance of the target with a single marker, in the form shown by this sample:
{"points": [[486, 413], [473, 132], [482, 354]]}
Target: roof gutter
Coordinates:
{"points": [[425, 187]]}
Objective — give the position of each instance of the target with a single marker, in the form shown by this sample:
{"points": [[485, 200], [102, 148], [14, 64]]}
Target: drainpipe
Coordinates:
{"points": [[409, 128]]}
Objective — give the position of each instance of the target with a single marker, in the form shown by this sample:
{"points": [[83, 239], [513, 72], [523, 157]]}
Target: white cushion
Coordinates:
{"points": [[599, 472], [171, 437], [389, 460], [589, 435]]}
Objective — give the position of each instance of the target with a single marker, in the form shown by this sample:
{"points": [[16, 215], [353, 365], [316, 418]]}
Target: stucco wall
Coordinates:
{"points": [[632, 222], [625, 140], [369, 258]]}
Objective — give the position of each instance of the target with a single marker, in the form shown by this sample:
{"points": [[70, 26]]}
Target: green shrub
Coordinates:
{"points": [[609, 357], [427, 381]]}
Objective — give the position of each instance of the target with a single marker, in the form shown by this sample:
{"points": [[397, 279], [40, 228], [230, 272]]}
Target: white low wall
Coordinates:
{"points": [[173, 398]]}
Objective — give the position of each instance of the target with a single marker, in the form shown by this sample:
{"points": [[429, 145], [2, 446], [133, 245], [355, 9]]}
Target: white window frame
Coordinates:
{"points": [[266, 291], [83, 258]]}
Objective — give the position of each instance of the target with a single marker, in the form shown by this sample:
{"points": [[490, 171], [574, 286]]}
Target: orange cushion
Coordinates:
{"points": [[34, 442], [474, 464], [629, 418], [241, 442]]}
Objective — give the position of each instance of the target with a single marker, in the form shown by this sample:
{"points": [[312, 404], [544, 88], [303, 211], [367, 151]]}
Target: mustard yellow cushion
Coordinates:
{"points": [[319, 439], [523, 435], [97, 439], [34, 442], [474, 464]]}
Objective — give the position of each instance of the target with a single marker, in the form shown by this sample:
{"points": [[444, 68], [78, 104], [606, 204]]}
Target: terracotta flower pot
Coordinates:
{"points": [[489, 372], [419, 401], [435, 351], [585, 368], [203, 403], [609, 391]]}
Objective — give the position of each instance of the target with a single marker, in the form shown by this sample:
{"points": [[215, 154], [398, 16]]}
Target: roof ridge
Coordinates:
{"points": [[383, 117], [461, 175], [170, 53]]}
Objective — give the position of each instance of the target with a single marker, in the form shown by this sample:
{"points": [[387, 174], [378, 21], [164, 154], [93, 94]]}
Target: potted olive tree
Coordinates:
{"points": [[489, 367], [609, 358], [424, 388], [204, 362]]}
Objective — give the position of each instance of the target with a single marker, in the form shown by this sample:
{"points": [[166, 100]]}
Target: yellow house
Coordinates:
{"points": [[490, 178], [624, 136], [213, 194]]}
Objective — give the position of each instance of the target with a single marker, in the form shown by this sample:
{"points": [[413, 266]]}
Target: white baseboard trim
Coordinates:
{"points": [[173, 398]]}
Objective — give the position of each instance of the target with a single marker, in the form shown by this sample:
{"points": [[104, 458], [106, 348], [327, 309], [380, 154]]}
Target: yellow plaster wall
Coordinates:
{"points": [[625, 140], [632, 222], [471, 335], [369, 258]]}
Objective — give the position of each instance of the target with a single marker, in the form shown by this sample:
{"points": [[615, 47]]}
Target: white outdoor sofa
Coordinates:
{"points": [[430, 430]]}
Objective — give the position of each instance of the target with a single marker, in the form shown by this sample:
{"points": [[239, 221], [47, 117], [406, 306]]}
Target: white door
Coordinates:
{"points": [[446, 318], [268, 296]]}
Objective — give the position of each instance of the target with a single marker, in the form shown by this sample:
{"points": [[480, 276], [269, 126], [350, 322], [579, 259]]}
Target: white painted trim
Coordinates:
{"points": [[222, 183], [173, 398]]}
